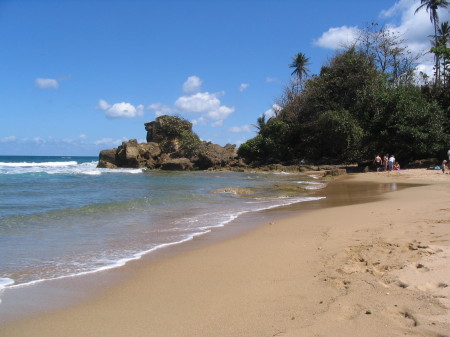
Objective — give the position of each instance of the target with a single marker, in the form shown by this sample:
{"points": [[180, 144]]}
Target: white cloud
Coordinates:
{"points": [[161, 109], [75, 140], [217, 123], [199, 103], [337, 37], [8, 139], [192, 85], [120, 110], [205, 104], [103, 105], [46, 83], [110, 142], [272, 111], [397, 8], [271, 79], [415, 29], [238, 129], [205, 107], [243, 86]]}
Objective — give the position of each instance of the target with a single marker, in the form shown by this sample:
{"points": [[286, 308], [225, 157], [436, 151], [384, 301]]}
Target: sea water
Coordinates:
{"points": [[61, 216]]}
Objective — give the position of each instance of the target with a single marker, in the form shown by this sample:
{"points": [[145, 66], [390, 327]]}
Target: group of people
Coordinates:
{"points": [[388, 163]]}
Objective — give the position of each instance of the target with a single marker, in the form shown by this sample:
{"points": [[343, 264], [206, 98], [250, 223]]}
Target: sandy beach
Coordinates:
{"points": [[372, 269]]}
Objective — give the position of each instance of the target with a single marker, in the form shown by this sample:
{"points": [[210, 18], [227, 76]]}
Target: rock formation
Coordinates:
{"points": [[171, 145]]}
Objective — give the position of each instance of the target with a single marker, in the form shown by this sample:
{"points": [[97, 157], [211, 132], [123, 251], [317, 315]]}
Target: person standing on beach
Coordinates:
{"points": [[378, 162], [391, 162], [386, 161], [444, 166], [448, 154]]}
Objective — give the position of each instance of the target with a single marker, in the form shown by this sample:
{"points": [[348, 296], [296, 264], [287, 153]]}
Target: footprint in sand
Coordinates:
{"points": [[410, 319], [420, 267], [402, 284]]}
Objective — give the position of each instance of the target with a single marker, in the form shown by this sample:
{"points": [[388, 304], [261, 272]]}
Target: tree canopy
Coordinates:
{"points": [[364, 101]]}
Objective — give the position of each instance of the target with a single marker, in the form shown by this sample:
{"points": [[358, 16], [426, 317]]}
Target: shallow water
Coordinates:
{"points": [[62, 216]]}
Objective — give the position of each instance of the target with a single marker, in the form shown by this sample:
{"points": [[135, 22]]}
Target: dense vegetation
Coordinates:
{"points": [[366, 100]]}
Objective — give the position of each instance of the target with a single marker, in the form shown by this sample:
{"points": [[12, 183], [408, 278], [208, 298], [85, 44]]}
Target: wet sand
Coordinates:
{"points": [[370, 269]]}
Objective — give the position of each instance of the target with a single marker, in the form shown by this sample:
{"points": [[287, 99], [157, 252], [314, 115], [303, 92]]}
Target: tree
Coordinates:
{"points": [[432, 7], [260, 123], [442, 50], [389, 53], [299, 63]]}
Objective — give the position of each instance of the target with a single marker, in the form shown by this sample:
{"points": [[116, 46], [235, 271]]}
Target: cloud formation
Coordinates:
{"points": [[120, 110], [243, 86], [204, 107], [46, 83], [271, 79], [414, 28], [337, 37], [192, 85], [272, 111], [110, 142], [239, 129]]}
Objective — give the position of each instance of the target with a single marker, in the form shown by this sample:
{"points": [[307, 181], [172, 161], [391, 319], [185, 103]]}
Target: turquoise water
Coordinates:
{"points": [[62, 216]]}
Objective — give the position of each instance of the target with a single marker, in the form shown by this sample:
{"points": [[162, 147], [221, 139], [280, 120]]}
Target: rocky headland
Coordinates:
{"points": [[171, 145]]}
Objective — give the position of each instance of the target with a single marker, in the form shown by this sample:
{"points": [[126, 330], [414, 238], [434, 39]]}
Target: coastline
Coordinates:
{"points": [[338, 271]]}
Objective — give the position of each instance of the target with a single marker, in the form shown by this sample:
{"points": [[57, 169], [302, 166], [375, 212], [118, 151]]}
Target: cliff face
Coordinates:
{"points": [[171, 145]]}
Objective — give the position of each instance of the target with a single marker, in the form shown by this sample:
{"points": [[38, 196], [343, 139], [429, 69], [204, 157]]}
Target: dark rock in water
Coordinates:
{"points": [[149, 150], [177, 164], [171, 145], [216, 156], [107, 159]]}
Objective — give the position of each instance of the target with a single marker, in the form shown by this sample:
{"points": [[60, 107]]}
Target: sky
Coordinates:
{"points": [[79, 76]]}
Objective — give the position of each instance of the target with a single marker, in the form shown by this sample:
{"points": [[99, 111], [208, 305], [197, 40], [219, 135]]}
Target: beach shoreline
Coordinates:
{"points": [[360, 269]]}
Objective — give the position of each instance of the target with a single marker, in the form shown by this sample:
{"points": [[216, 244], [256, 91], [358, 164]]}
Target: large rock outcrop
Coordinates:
{"points": [[171, 145]]}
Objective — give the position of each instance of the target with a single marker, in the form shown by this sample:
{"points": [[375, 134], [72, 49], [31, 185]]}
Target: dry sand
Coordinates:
{"points": [[374, 269]]}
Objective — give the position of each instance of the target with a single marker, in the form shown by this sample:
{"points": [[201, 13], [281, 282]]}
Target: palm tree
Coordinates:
{"points": [[261, 124], [299, 63], [443, 40], [432, 6]]}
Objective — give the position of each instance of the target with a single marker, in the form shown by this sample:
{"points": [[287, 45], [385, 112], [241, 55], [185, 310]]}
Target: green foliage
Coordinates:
{"points": [[270, 145], [173, 126], [338, 137], [189, 144], [414, 127], [253, 149], [349, 112]]}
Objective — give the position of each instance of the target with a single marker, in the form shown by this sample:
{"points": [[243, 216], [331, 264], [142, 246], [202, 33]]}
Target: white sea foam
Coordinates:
{"points": [[61, 167], [312, 185], [112, 265], [4, 282], [43, 164], [223, 219]]}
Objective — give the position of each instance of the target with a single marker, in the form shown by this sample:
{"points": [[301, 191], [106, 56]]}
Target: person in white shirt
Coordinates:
{"points": [[391, 162]]}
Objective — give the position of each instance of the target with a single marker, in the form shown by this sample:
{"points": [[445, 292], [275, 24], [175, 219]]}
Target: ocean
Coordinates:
{"points": [[61, 216]]}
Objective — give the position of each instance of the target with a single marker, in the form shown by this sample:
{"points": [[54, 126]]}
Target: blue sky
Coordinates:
{"points": [[80, 76]]}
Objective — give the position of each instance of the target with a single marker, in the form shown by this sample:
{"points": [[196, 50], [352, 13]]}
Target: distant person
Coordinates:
{"points": [[391, 162], [378, 162], [396, 166], [448, 154], [386, 162], [444, 166]]}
